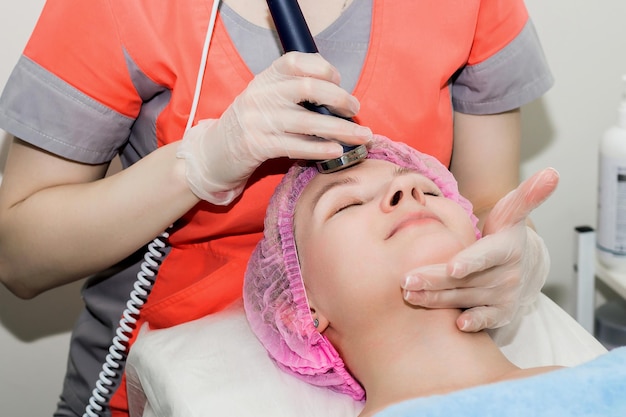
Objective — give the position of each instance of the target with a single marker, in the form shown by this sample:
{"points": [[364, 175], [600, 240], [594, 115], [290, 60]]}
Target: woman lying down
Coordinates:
{"points": [[366, 226]]}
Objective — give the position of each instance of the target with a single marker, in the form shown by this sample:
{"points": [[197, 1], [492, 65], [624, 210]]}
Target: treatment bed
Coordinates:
{"points": [[215, 366]]}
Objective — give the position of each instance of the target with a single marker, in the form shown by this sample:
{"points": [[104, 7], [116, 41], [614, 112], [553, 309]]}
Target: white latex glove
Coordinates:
{"points": [[497, 274], [267, 121]]}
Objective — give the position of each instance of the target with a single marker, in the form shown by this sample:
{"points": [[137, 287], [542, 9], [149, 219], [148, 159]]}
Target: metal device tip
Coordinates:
{"points": [[348, 159]]}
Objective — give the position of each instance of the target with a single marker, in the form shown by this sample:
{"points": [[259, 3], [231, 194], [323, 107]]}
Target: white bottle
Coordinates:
{"points": [[611, 230]]}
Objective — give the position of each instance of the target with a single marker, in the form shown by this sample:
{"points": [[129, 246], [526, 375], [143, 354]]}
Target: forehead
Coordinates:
{"points": [[367, 168], [360, 173]]}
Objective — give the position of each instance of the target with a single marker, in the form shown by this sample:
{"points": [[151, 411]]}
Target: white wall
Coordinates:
{"points": [[585, 43], [33, 334]]}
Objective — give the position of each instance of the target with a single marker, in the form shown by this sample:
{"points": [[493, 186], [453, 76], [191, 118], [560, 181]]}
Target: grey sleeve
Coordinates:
{"points": [[514, 76], [43, 110]]}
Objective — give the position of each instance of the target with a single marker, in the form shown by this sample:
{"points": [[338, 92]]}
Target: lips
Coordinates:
{"points": [[413, 219]]}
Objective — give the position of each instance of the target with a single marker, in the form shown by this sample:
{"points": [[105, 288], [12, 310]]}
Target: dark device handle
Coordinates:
{"points": [[294, 35]]}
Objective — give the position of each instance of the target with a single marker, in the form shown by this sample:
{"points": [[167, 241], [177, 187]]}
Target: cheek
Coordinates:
{"points": [[465, 230], [458, 222], [339, 242], [329, 262], [341, 272]]}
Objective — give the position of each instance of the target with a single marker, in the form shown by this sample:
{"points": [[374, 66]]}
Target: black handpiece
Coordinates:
{"points": [[294, 35]]}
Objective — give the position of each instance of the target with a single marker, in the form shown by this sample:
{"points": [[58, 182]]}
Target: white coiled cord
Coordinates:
{"points": [[145, 277], [119, 346]]}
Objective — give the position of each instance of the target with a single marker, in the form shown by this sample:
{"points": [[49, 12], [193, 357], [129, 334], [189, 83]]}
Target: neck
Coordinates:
{"points": [[319, 14], [421, 354]]}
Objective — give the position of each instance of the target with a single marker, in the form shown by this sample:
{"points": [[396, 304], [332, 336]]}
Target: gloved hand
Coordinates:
{"points": [[497, 274], [266, 121]]}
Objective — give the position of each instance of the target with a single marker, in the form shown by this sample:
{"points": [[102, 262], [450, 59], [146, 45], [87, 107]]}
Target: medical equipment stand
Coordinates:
{"points": [[587, 269], [585, 276]]}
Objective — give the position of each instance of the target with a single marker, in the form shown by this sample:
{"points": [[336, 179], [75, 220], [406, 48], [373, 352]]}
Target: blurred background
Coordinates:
{"points": [[585, 44]]}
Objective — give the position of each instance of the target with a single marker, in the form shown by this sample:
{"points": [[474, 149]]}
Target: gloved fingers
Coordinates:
{"points": [[330, 128], [302, 64], [262, 112], [536, 267], [486, 317], [321, 93], [517, 205], [273, 94], [305, 147], [270, 92], [435, 278], [292, 133], [428, 277], [477, 290], [320, 141], [503, 247], [304, 78]]}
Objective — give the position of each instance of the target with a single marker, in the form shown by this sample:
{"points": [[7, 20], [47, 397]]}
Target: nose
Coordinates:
{"points": [[402, 188]]}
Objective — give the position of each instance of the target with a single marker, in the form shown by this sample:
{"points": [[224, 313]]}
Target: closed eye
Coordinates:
{"points": [[347, 206]]}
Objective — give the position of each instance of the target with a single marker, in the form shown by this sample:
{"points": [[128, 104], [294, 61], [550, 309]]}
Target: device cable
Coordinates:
{"points": [[145, 277]]}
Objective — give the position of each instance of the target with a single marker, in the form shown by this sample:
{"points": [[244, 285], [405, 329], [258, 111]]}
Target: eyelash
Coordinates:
{"points": [[345, 206]]}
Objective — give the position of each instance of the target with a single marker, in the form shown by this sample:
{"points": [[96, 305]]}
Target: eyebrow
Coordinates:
{"points": [[326, 188], [403, 171], [399, 171]]}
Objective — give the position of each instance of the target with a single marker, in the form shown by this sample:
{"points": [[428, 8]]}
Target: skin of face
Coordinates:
{"points": [[358, 231]]}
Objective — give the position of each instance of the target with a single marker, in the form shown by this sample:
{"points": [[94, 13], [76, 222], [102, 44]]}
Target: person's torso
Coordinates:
{"points": [[402, 84]]}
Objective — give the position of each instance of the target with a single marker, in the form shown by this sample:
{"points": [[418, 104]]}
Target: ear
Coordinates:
{"points": [[323, 322]]}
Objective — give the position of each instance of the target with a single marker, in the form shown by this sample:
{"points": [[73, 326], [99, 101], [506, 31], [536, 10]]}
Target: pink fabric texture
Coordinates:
{"points": [[274, 295]]}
